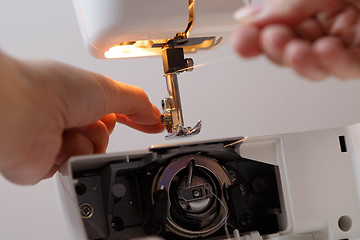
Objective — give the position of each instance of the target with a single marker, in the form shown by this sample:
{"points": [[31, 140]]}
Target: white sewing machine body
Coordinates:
{"points": [[316, 195], [135, 25]]}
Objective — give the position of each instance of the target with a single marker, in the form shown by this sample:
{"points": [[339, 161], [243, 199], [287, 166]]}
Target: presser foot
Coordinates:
{"points": [[180, 131]]}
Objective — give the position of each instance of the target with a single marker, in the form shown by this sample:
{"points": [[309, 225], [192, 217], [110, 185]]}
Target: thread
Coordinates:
{"points": [[227, 216]]}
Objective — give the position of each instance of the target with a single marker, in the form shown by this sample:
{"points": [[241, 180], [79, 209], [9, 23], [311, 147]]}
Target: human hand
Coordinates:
{"points": [[51, 111], [317, 38]]}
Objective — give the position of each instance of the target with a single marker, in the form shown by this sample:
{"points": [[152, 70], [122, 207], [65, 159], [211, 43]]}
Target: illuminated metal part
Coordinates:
{"points": [[146, 48], [172, 117], [175, 101], [191, 17]]}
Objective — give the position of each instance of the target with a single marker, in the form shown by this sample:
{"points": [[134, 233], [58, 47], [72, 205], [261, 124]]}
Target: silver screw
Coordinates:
{"points": [[86, 210], [189, 64], [196, 193]]}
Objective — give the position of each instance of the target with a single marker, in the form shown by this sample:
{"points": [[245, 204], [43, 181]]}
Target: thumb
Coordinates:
{"points": [[289, 12]]}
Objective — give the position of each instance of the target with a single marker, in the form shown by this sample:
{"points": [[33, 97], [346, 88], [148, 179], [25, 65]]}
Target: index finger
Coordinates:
{"points": [[289, 12], [84, 97]]}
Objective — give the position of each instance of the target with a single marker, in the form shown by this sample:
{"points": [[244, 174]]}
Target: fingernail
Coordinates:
{"points": [[247, 12]]}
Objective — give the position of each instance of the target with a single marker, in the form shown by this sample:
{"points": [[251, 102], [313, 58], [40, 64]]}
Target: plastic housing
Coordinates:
{"points": [[318, 178], [107, 23]]}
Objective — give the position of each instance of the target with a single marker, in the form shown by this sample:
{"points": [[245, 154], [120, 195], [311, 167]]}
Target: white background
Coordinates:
{"points": [[232, 96]]}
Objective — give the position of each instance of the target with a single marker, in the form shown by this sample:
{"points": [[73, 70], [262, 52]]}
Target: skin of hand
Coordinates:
{"points": [[51, 111], [317, 38]]}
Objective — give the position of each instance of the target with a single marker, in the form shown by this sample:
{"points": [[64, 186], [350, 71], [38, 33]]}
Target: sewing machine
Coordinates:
{"points": [[127, 29], [302, 186]]}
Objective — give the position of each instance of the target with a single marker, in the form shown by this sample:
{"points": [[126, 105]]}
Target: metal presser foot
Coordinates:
{"points": [[174, 63]]}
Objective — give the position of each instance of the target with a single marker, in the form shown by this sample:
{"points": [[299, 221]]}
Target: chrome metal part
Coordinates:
{"points": [[191, 166], [175, 101], [86, 210], [195, 190], [174, 63], [189, 44], [172, 112], [191, 18], [180, 131], [189, 64]]}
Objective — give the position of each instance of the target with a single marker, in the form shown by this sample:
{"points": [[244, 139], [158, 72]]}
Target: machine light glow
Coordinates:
{"points": [[131, 51], [147, 48]]}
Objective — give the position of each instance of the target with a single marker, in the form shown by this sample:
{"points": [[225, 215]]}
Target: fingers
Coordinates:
{"points": [[252, 21], [73, 144], [94, 138], [87, 140], [155, 128], [125, 99], [97, 134], [293, 13], [245, 40], [51, 172], [282, 46], [109, 121], [274, 39], [137, 122], [140, 118], [83, 97], [310, 29], [280, 11], [293, 33], [336, 59], [326, 56], [300, 56], [345, 25]]}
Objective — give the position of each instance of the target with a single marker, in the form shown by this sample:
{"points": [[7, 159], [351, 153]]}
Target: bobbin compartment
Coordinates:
{"points": [[203, 190]]}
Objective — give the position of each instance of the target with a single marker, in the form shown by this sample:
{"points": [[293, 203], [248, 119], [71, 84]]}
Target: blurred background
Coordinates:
{"points": [[233, 97]]}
